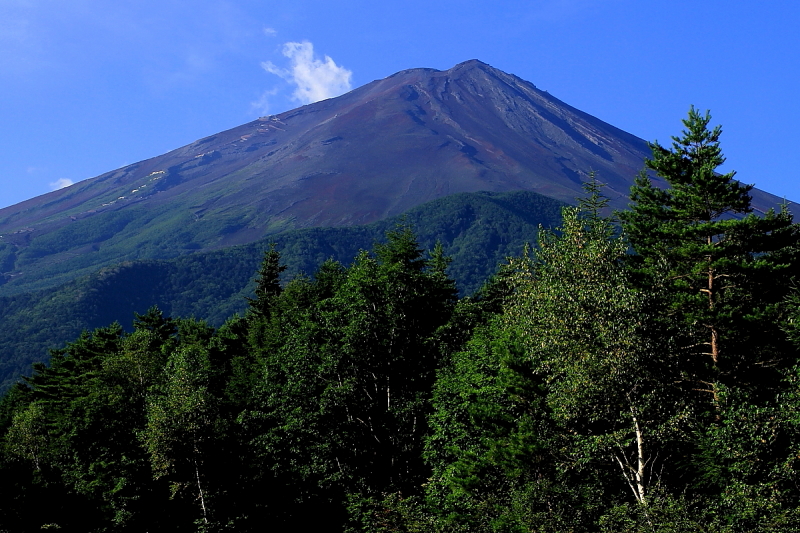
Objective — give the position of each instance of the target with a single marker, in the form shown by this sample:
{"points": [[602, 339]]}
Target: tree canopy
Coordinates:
{"points": [[633, 377]]}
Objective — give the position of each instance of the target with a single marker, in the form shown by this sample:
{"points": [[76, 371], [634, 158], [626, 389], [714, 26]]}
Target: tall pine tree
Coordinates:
{"points": [[717, 260]]}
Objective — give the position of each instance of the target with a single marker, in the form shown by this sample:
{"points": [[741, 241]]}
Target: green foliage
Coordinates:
{"points": [[569, 393], [477, 230], [348, 364], [182, 423], [267, 282], [716, 259], [748, 460], [8, 259], [566, 384]]}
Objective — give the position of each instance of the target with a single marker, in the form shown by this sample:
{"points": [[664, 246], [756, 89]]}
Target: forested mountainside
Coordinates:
{"points": [[477, 230], [646, 379]]}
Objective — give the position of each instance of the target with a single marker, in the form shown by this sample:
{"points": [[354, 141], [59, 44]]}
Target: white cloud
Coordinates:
{"points": [[315, 79], [270, 32], [262, 105], [60, 184]]}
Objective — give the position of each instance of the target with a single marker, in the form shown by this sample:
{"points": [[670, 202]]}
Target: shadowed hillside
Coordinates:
{"points": [[478, 230]]}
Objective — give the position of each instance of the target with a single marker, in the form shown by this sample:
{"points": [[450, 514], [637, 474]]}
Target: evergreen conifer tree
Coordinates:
{"points": [[267, 282], [701, 241]]}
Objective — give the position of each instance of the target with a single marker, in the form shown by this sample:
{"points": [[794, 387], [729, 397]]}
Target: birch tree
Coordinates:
{"points": [[566, 401], [585, 332], [182, 425]]}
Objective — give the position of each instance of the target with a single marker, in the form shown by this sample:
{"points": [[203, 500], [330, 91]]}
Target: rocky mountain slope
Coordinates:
{"points": [[375, 152]]}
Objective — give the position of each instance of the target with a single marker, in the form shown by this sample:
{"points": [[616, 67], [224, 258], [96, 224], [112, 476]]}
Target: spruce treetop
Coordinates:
{"points": [[699, 240]]}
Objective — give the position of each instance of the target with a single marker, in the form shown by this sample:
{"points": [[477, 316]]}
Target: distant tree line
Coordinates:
{"points": [[629, 372]]}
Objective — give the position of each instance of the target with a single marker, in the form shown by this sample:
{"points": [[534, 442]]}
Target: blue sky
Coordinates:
{"points": [[87, 86]]}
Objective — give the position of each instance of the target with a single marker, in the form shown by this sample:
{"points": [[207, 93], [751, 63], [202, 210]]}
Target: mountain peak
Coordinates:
{"points": [[470, 63], [374, 152], [464, 65]]}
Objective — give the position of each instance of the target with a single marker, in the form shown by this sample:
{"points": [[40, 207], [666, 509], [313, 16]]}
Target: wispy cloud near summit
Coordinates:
{"points": [[314, 79], [60, 184]]}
